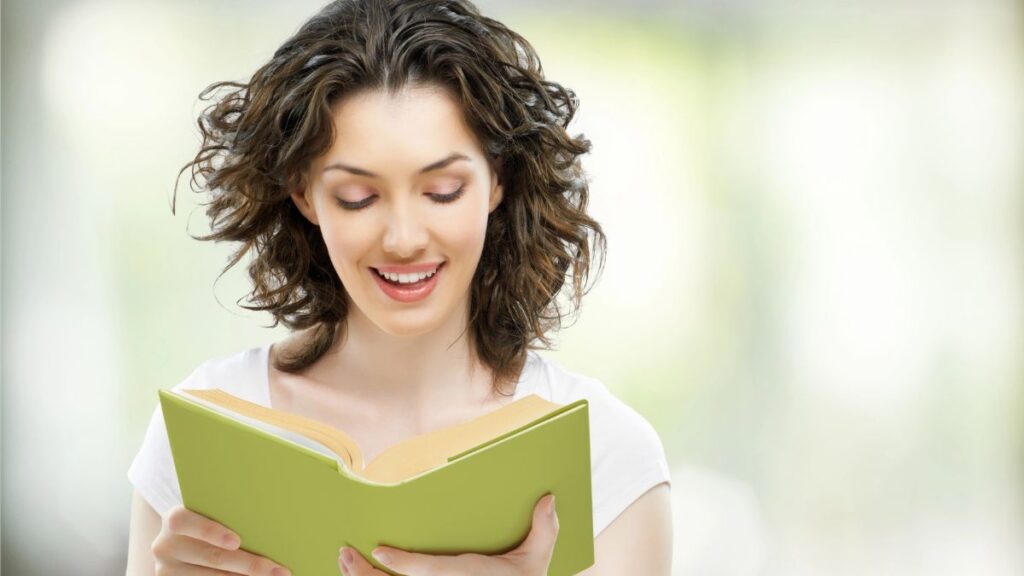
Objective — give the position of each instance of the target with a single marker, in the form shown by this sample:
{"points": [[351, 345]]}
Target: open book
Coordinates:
{"points": [[296, 489]]}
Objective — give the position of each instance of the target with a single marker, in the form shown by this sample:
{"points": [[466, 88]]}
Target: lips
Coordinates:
{"points": [[407, 293], [409, 268]]}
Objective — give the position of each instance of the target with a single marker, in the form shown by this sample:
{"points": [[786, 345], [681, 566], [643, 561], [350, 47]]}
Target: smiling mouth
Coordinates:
{"points": [[411, 292], [395, 282]]}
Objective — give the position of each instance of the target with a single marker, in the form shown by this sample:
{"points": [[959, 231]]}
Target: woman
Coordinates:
{"points": [[402, 173]]}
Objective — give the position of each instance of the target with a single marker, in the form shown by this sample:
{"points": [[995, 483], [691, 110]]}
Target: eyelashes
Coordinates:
{"points": [[354, 205], [446, 198], [439, 198]]}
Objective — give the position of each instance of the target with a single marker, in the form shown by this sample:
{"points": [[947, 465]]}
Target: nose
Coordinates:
{"points": [[406, 234]]}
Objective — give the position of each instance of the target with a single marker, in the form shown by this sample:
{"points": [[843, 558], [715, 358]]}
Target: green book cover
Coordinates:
{"points": [[297, 506]]}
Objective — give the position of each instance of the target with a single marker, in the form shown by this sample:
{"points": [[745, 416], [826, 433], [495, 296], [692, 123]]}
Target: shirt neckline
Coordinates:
{"points": [[523, 387]]}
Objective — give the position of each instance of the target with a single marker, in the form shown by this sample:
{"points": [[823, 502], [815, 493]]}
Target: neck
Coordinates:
{"points": [[416, 375]]}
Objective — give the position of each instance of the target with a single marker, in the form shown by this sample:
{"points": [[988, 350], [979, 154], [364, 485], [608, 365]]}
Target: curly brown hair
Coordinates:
{"points": [[260, 137]]}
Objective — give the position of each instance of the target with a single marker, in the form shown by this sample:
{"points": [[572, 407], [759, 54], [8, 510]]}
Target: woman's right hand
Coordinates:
{"points": [[192, 544]]}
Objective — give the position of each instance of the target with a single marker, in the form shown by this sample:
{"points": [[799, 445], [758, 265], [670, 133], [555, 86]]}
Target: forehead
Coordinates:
{"points": [[416, 117]]}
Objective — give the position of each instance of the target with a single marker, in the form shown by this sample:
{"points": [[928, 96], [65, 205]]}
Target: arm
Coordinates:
{"points": [[143, 530], [638, 541]]}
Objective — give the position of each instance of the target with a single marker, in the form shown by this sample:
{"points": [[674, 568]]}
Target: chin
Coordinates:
{"points": [[407, 331], [398, 324]]}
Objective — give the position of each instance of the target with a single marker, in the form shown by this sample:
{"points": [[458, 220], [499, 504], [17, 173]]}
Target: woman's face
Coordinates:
{"points": [[404, 184]]}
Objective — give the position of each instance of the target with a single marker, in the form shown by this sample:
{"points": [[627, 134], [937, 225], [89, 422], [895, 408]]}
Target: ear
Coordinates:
{"points": [[303, 198], [497, 194]]}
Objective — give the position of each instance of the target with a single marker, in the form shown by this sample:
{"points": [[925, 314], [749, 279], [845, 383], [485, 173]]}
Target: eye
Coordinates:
{"points": [[446, 198], [355, 205], [439, 198]]}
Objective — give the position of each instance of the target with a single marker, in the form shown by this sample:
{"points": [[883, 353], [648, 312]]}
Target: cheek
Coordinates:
{"points": [[468, 235], [343, 246]]}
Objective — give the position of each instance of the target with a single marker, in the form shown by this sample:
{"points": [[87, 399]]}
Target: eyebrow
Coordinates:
{"points": [[454, 156]]}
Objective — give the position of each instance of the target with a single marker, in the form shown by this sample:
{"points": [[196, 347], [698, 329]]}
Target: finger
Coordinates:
{"points": [[199, 553], [417, 564], [358, 565], [539, 545], [182, 521], [533, 555]]}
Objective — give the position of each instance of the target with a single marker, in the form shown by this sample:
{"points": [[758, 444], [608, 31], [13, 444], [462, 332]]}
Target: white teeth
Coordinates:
{"points": [[407, 278]]}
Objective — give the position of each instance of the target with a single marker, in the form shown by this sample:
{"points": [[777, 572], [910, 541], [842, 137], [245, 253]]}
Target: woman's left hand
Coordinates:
{"points": [[531, 558]]}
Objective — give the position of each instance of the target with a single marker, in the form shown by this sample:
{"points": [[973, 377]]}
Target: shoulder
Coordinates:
{"points": [[609, 415], [241, 373], [627, 455], [152, 471]]}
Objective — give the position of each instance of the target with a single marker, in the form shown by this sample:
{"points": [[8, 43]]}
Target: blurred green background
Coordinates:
{"points": [[813, 288]]}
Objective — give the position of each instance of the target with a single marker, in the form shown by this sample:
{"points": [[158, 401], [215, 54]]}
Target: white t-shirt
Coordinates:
{"points": [[627, 457]]}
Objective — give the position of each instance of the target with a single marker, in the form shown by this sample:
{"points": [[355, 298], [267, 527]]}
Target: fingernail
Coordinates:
{"points": [[230, 541], [281, 571], [551, 507], [346, 556], [382, 557]]}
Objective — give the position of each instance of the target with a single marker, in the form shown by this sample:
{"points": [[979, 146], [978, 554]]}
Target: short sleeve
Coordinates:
{"points": [[152, 471], [628, 460]]}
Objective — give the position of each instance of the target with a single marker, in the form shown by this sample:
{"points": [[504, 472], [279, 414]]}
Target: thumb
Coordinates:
{"points": [[540, 542]]}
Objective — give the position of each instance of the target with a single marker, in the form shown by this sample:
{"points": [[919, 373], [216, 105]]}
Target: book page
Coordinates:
{"points": [[399, 462], [278, 431]]}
